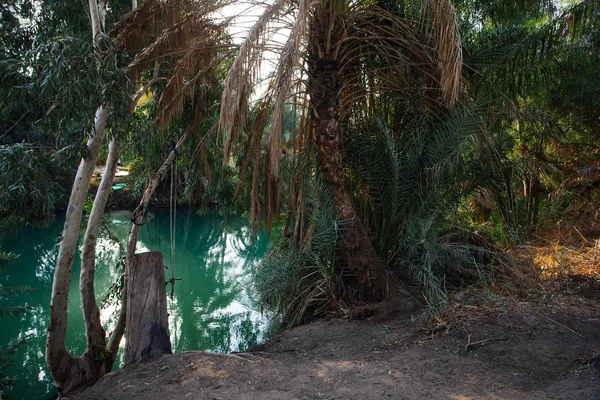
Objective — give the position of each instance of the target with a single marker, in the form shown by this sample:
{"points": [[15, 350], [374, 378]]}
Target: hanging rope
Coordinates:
{"points": [[173, 225]]}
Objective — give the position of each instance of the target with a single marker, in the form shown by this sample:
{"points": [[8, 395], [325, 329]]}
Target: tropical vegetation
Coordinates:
{"points": [[391, 147]]}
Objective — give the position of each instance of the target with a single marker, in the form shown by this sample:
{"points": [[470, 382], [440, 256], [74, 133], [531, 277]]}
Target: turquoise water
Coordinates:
{"points": [[213, 307]]}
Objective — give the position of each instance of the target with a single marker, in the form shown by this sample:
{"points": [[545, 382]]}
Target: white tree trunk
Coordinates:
{"points": [[69, 372], [96, 337], [57, 357], [95, 14]]}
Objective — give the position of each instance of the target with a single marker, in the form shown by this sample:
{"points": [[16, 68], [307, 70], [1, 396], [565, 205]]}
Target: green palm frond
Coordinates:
{"points": [[414, 179], [519, 57], [297, 281]]}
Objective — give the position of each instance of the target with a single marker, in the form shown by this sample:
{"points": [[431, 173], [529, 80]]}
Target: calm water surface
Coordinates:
{"points": [[213, 307]]}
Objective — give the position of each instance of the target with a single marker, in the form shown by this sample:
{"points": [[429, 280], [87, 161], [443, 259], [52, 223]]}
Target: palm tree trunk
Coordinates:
{"points": [[354, 246]]}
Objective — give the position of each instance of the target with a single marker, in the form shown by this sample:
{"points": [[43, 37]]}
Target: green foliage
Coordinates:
{"points": [[200, 180], [72, 78], [52, 84], [576, 95], [15, 34], [300, 281], [410, 184], [6, 352], [31, 183], [530, 115], [534, 67], [102, 354], [89, 203]]}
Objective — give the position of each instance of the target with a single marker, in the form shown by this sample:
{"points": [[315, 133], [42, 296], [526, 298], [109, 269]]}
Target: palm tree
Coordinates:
{"points": [[518, 58], [340, 58]]}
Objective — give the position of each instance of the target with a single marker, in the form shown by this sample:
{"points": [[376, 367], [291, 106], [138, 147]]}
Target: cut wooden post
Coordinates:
{"points": [[147, 319]]}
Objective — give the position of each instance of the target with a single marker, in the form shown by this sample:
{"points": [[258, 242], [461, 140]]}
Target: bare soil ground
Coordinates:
{"points": [[547, 348]]}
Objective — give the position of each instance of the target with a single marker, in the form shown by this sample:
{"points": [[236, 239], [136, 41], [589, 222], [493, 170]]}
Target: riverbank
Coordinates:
{"points": [[125, 196], [514, 349], [212, 308]]}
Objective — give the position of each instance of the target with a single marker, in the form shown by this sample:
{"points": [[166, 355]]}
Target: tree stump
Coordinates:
{"points": [[147, 326]]}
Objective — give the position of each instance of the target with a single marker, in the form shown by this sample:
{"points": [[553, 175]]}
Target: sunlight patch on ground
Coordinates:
{"points": [[555, 261]]}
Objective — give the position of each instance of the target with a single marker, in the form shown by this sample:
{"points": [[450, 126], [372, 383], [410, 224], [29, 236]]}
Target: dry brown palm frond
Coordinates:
{"points": [[192, 30], [182, 36], [445, 30], [288, 61], [255, 215], [271, 193], [382, 53], [297, 187], [243, 74], [262, 112], [180, 86], [145, 24], [201, 148], [386, 53], [252, 155]]}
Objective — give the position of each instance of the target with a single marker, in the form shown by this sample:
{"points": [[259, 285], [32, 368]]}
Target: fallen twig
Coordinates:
{"points": [[472, 345], [559, 324]]}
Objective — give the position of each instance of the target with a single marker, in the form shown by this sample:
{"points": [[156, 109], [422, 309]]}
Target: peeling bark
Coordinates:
{"points": [[60, 363], [95, 334]]}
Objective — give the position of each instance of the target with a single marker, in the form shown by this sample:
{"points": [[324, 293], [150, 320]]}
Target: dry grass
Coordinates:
{"points": [[556, 271], [554, 261]]}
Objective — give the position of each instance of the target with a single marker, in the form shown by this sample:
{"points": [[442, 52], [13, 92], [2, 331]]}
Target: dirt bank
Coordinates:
{"points": [[517, 350]]}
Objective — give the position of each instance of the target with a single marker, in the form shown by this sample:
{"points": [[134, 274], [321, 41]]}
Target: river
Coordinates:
{"points": [[213, 307]]}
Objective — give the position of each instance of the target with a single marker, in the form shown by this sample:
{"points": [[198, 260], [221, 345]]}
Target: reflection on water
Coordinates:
{"points": [[212, 308]]}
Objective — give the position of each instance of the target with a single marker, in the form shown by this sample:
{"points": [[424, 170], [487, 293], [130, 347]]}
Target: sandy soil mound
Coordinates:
{"points": [[518, 351]]}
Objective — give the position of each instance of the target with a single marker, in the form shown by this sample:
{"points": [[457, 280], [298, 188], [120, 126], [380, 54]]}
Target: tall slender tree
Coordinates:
{"points": [[185, 33], [70, 372]]}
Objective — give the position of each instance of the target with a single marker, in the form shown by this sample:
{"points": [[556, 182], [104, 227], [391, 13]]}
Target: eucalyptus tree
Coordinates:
{"points": [[32, 171], [174, 43], [335, 48], [67, 371]]}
